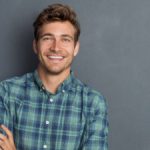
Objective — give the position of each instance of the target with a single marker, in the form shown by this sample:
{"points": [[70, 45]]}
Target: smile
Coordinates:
{"points": [[55, 57]]}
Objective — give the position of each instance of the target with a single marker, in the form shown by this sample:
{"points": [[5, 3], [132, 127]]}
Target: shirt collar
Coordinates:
{"points": [[65, 86], [38, 80]]}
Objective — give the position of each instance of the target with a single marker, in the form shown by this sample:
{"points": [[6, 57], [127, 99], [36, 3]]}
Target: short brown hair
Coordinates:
{"points": [[57, 12]]}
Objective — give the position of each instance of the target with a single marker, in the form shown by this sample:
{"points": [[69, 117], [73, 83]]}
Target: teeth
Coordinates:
{"points": [[55, 57]]}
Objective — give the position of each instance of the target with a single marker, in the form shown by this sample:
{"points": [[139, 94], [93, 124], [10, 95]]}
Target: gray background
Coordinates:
{"points": [[114, 58]]}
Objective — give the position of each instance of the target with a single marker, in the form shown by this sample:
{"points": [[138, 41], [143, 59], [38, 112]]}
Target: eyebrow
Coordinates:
{"points": [[46, 34], [63, 35], [66, 35]]}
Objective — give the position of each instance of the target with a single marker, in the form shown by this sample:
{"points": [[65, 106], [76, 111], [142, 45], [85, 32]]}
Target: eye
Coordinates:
{"points": [[47, 38], [66, 40]]}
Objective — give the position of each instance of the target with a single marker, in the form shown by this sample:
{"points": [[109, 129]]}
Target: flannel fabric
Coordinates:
{"points": [[74, 118]]}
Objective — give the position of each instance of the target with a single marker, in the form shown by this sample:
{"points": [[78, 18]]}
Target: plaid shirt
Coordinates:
{"points": [[74, 118]]}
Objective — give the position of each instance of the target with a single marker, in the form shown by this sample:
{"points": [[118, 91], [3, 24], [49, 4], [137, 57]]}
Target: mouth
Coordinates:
{"points": [[55, 57]]}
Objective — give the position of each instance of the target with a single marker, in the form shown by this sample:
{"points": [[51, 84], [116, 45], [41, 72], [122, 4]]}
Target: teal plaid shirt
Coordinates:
{"points": [[74, 118]]}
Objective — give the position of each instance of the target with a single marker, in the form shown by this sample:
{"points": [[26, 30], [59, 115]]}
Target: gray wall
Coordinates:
{"points": [[114, 58]]}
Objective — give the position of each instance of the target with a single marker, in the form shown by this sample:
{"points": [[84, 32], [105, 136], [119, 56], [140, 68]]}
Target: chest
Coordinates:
{"points": [[54, 123]]}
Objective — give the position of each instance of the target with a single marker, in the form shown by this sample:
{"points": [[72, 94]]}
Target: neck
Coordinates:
{"points": [[52, 81]]}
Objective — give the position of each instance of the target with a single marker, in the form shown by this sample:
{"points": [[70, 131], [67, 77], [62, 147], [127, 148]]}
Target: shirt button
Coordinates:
{"points": [[63, 91], [47, 122], [44, 146], [51, 100]]}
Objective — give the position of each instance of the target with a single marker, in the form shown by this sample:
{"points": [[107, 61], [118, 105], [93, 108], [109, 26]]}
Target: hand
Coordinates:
{"points": [[6, 142]]}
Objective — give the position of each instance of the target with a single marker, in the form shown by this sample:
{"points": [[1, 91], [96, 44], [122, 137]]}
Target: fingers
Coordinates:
{"points": [[6, 142], [3, 146], [3, 142], [8, 132], [3, 137]]}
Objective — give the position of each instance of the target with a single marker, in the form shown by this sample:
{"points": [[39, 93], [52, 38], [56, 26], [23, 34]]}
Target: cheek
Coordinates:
{"points": [[41, 49], [71, 51]]}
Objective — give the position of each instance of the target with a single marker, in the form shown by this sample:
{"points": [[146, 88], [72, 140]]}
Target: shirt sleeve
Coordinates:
{"points": [[2, 106], [96, 134], [5, 118]]}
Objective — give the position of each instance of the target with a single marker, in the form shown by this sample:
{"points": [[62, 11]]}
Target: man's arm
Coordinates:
{"points": [[96, 136], [6, 137]]}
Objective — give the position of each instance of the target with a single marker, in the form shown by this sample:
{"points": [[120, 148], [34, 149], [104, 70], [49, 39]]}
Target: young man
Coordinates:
{"points": [[50, 108]]}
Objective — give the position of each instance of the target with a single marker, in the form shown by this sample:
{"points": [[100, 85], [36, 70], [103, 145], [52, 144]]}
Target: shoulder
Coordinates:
{"points": [[17, 79], [92, 98], [15, 84], [86, 89], [92, 102]]}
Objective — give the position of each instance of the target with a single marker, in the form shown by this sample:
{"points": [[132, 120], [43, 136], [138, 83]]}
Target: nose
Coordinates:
{"points": [[55, 45]]}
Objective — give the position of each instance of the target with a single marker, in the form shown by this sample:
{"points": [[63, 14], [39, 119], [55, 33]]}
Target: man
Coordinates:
{"points": [[50, 108]]}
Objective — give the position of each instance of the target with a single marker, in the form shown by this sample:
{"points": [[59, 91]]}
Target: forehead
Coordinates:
{"points": [[57, 28]]}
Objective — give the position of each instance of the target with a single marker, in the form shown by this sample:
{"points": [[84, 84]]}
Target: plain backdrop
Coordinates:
{"points": [[114, 58]]}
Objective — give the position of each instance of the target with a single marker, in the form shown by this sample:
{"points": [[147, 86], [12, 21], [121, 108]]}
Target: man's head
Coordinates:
{"points": [[57, 12], [56, 39]]}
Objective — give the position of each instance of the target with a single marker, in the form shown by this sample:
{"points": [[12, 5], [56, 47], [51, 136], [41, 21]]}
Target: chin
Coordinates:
{"points": [[57, 71]]}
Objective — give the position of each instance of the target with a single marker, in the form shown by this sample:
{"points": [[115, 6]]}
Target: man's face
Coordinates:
{"points": [[56, 47]]}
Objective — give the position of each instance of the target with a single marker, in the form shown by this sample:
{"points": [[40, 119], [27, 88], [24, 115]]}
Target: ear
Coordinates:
{"points": [[76, 50], [34, 45]]}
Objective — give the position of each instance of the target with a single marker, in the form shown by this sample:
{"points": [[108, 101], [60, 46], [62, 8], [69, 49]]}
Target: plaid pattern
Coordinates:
{"points": [[75, 118]]}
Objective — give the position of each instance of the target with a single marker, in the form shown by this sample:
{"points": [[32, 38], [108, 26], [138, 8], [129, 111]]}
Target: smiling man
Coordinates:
{"points": [[56, 47], [50, 108]]}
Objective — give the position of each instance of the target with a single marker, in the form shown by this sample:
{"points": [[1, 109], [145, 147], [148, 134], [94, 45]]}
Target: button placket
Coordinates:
{"points": [[46, 126]]}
